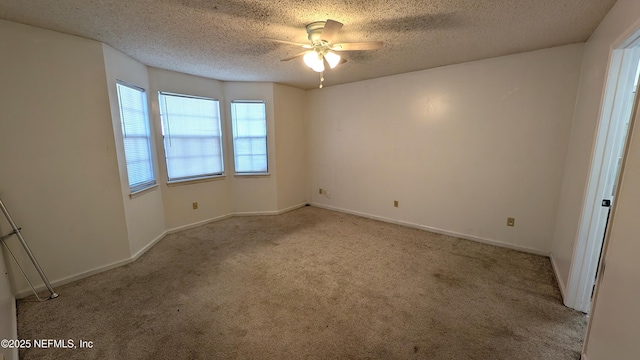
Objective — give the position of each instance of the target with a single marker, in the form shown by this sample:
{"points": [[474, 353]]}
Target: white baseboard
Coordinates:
{"points": [[270, 212], [22, 293], [561, 283], [148, 246], [59, 282], [256, 213], [291, 208], [199, 223], [437, 231], [27, 292]]}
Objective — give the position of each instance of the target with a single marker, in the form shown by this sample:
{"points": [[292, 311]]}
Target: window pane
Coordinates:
{"points": [[243, 146], [249, 122], [136, 137], [259, 146], [243, 162], [260, 162], [192, 137]]}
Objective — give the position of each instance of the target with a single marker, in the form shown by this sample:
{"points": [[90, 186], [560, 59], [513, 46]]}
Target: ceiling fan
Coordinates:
{"points": [[321, 49]]}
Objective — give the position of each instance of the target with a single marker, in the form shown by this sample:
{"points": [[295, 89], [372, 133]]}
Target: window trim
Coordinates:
{"points": [[200, 177], [141, 192], [141, 188], [252, 175], [197, 180], [264, 173]]}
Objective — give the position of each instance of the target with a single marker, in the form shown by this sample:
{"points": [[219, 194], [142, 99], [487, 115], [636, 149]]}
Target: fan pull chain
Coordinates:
{"points": [[321, 79]]}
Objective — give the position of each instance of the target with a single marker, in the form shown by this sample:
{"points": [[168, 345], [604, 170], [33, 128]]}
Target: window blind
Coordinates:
{"points": [[192, 136], [249, 122], [135, 133]]}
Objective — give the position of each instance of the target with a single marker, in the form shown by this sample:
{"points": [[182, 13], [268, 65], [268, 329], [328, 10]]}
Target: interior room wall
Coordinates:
{"points": [[254, 193], [59, 171], [460, 147], [583, 130], [613, 329], [214, 196], [291, 146], [144, 213], [8, 328], [613, 332]]}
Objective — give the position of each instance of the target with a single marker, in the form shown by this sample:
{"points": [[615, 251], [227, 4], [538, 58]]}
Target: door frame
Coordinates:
{"points": [[623, 61]]}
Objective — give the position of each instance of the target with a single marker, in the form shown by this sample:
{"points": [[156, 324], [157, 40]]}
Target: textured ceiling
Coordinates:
{"points": [[222, 39]]}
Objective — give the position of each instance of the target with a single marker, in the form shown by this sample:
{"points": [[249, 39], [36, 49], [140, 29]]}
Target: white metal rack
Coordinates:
{"points": [[16, 232]]}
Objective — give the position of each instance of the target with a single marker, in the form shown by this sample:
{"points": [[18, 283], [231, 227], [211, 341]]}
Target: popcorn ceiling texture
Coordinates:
{"points": [[221, 39]]}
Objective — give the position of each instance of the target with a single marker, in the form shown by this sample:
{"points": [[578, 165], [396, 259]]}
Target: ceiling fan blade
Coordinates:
{"points": [[373, 45], [331, 28], [294, 56], [306, 46]]}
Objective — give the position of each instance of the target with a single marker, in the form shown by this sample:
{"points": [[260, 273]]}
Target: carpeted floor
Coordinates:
{"points": [[312, 284]]}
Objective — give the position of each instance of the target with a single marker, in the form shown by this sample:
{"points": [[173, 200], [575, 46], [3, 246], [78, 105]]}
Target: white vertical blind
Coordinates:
{"points": [[192, 136], [249, 136], [135, 133]]}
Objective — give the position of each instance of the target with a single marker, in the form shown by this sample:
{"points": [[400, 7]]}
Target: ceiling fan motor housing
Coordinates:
{"points": [[314, 30]]}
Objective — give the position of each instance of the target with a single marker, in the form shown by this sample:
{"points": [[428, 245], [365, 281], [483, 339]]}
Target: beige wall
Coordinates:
{"points": [[144, 214], [461, 147], [403, 121], [291, 146], [59, 171], [214, 197], [583, 131], [615, 314], [252, 193]]}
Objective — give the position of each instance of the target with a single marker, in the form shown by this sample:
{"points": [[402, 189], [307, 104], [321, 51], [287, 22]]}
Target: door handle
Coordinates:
{"points": [[606, 203]]}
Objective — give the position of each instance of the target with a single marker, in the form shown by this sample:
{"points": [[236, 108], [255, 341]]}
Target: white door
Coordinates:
{"points": [[613, 331], [610, 142]]}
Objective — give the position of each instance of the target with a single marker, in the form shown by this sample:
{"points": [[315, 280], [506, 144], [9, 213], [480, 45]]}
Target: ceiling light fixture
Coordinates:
{"points": [[332, 58], [321, 34], [313, 59]]}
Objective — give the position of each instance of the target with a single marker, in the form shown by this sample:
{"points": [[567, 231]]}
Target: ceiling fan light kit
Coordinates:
{"points": [[332, 58], [321, 34], [314, 60]]}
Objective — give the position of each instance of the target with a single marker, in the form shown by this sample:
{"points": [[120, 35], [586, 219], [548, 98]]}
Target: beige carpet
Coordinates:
{"points": [[312, 284]]}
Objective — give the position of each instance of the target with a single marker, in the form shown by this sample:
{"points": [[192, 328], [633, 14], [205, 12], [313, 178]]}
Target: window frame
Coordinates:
{"points": [[233, 138], [162, 113], [148, 184]]}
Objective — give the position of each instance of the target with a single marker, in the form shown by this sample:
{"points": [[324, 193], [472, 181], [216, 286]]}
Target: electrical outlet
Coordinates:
{"points": [[511, 222], [395, 203], [320, 191], [195, 205]]}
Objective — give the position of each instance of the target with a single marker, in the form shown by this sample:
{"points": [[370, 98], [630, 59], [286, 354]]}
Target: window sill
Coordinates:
{"points": [[252, 175], [195, 180], [135, 194]]}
